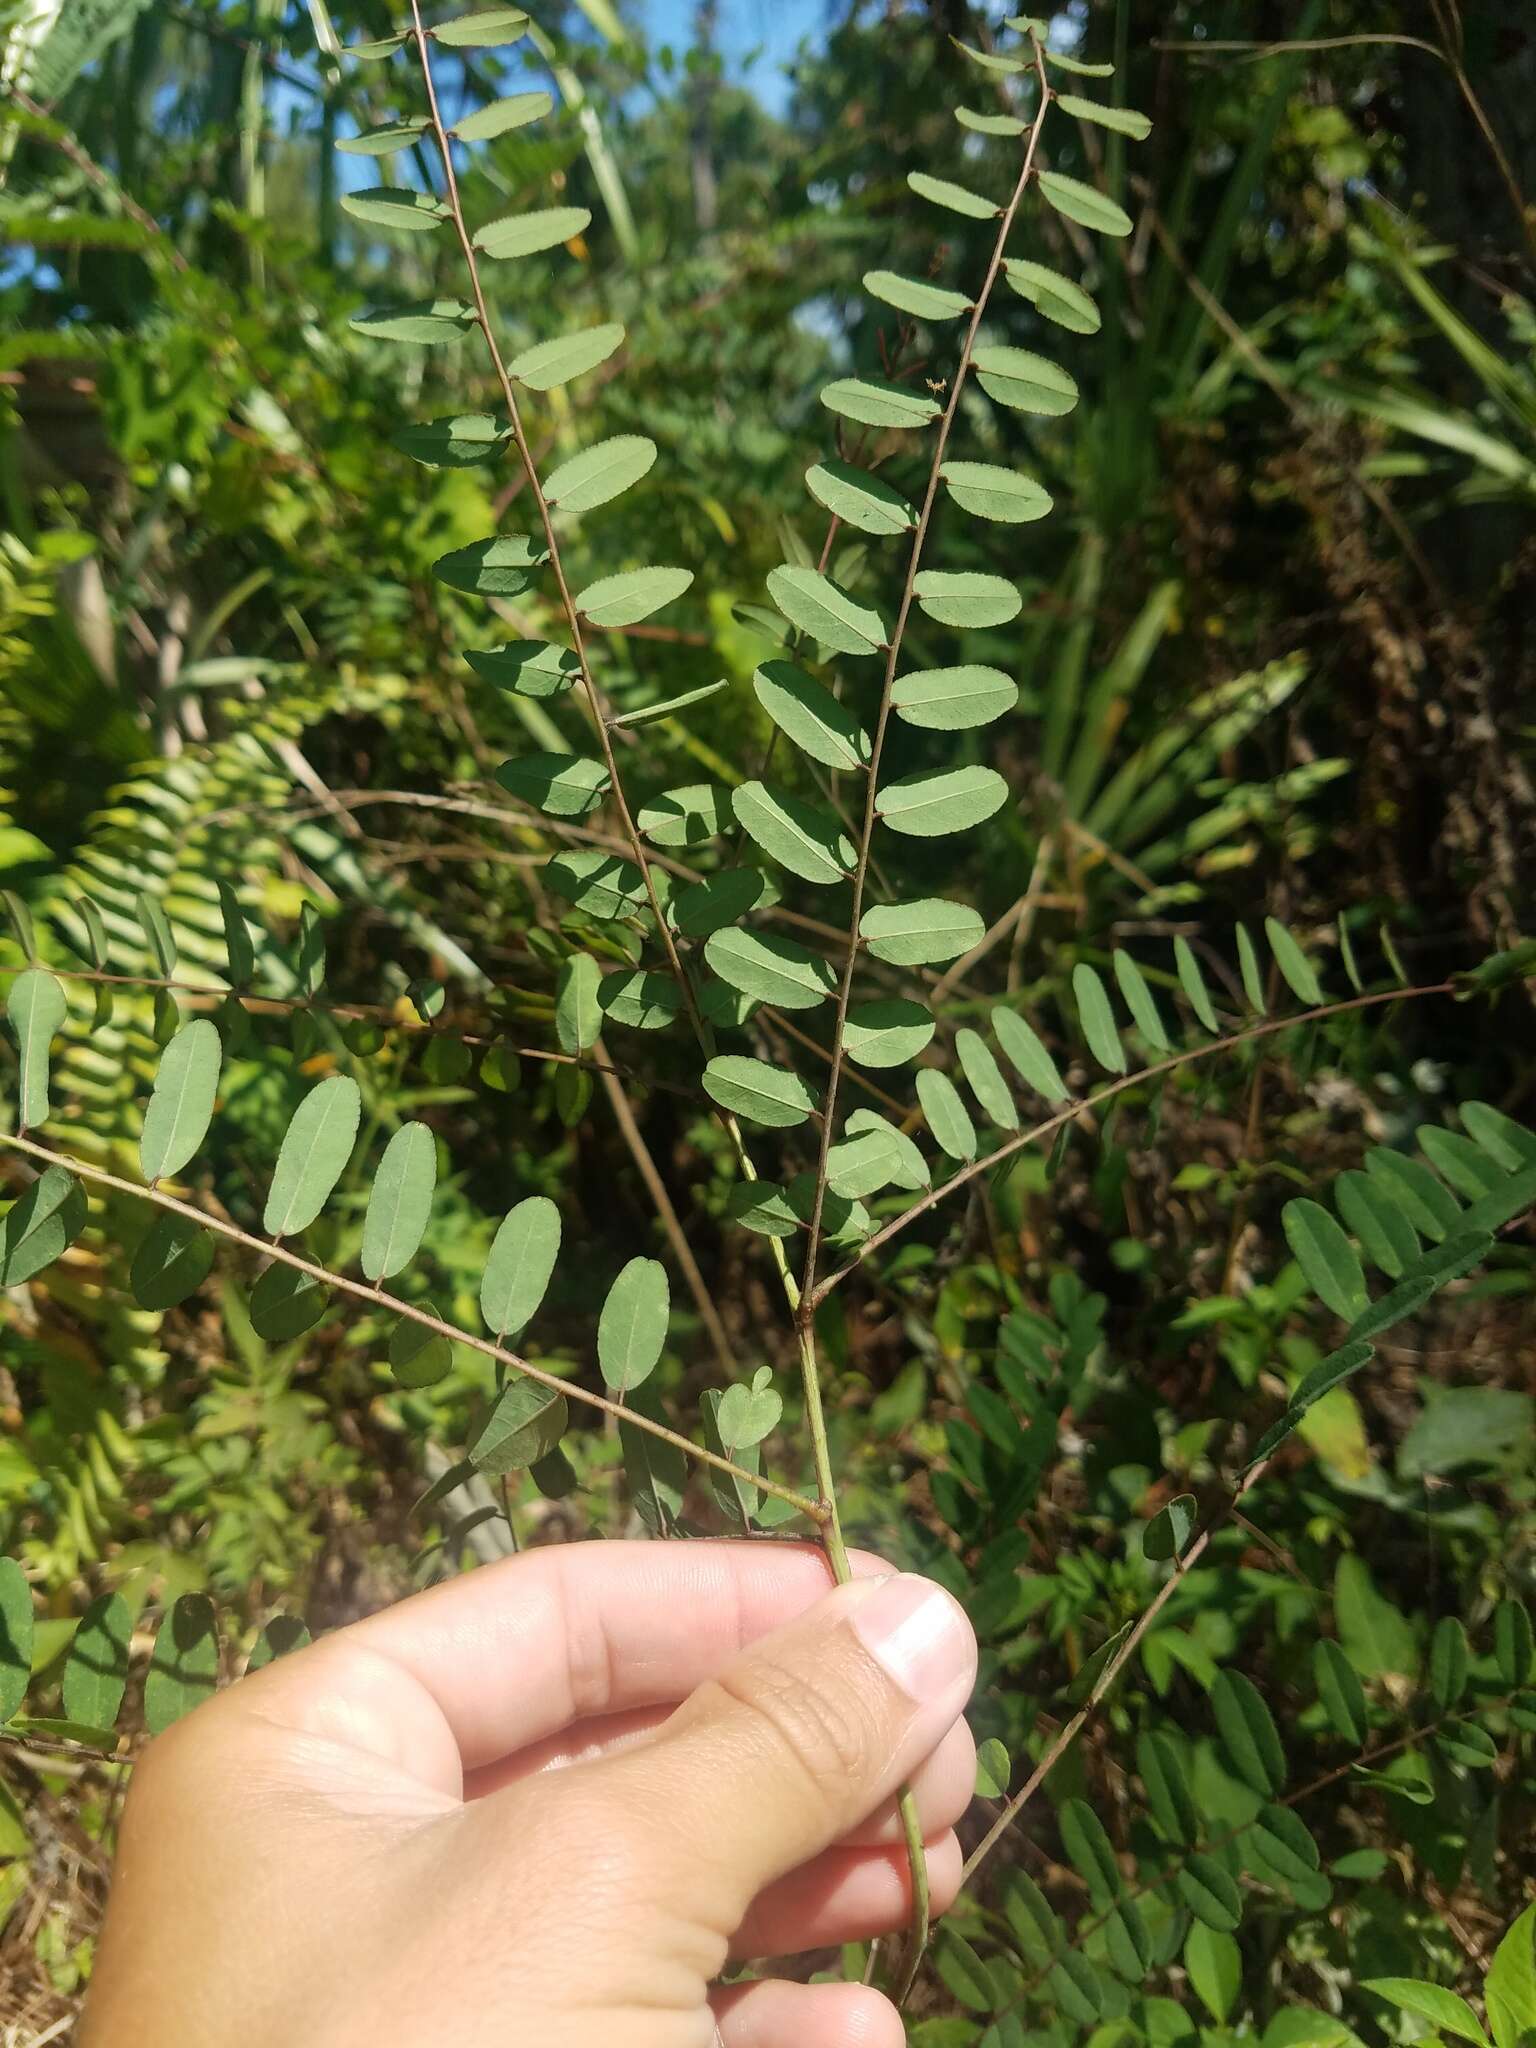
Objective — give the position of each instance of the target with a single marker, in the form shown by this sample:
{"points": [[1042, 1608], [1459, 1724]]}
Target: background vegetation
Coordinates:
{"points": [[1275, 660]]}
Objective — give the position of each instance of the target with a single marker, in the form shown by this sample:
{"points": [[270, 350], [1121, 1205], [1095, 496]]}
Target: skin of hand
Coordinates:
{"points": [[549, 1803]]}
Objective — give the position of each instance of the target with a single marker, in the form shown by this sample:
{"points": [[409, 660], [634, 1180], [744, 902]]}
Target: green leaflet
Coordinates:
{"points": [[1248, 967], [992, 492], [948, 1118], [917, 934], [632, 595], [889, 1032], [1326, 1257], [1298, 971], [173, 1259], [562, 785], [955, 197], [1085, 204], [1513, 1648], [372, 52], [283, 1634], [427, 321], [1458, 1161], [770, 969], [158, 935], [1053, 295], [722, 899], [313, 1155], [1384, 1233], [1446, 2012], [1023, 1048], [1124, 120], [286, 1303], [1339, 1688], [1214, 1965], [399, 1202], [488, 30], [240, 963], [1192, 981], [640, 1001], [811, 716], [874, 403], [928, 806], [772, 1096], [859, 498], [524, 1426], [991, 60], [96, 932], [988, 124], [1091, 1853], [37, 1008], [181, 1105], [17, 1630], [1282, 1840], [603, 885], [986, 1079], [519, 1268], [600, 473], [528, 234], [1448, 1662], [803, 837], [184, 1670], [1505, 1141], [385, 141], [395, 206], [910, 295], [1060, 61], [551, 363], [527, 668], [873, 1155], [504, 566], [966, 597], [686, 816], [497, 117], [578, 1014], [1023, 381], [815, 604], [1210, 1894], [1248, 1732], [993, 1769], [953, 699], [1140, 1001], [1170, 1529], [1097, 1019], [1430, 1207], [1168, 1793], [632, 1327], [459, 443], [96, 1669]]}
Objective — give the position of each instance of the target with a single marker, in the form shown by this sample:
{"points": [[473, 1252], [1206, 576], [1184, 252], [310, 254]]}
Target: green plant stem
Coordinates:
{"points": [[362, 1291]]}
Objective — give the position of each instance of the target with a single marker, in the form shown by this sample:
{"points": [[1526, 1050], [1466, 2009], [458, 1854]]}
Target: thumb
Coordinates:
{"points": [[797, 1740]]}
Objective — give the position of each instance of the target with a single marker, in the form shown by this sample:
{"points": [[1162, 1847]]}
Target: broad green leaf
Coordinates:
{"points": [[1168, 1792], [749, 1413], [1327, 1259], [173, 1259], [859, 498], [1029, 1057], [958, 200], [1428, 1204], [966, 597], [181, 1105], [600, 473], [1210, 1894], [763, 1207], [551, 363], [770, 969], [524, 1426], [503, 566], [874, 403], [992, 492], [1139, 1000], [1376, 1636], [1124, 121], [916, 934], [560, 785], [993, 1768], [578, 1012], [954, 799], [632, 1327], [1465, 1166], [399, 1202], [1248, 1732], [286, 1303], [1512, 1643], [518, 1270], [874, 1155], [1248, 966], [603, 885], [1097, 1019], [1023, 381], [395, 206], [1057, 297], [428, 320], [527, 668], [1340, 1690], [459, 443], [16, 1636], [953, 699], [889, 1032], [37, 1008], [1085, 204], [815, 604], [1448, 1662], [948, 1118], [916, 296], [529, 234], [1192, 982], [487, 30], [724, 898], [313, 1155], [640, 1001], [1446, 2012], [1091, 1853], [1169, 1529], [419, 1356], [500, 116], [632, 595], [772, 1096], [988, 124], [1385, 1235], [40, 1225], [687, 816], [1295, 968], [96, 1669], [804, 837], [985, 1078], [1214, 1965], [184, 1670], [811, 716], [1509, 1989]]}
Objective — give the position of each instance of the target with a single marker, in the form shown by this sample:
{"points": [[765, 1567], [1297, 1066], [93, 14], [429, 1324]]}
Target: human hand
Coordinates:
{"points": [[547, 1803]]}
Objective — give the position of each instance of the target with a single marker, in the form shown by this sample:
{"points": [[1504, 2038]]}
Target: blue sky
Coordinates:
{"points": [[774, 29]]}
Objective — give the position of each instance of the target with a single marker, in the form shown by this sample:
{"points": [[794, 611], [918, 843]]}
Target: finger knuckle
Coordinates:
{"points": [[826, 1735]]}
